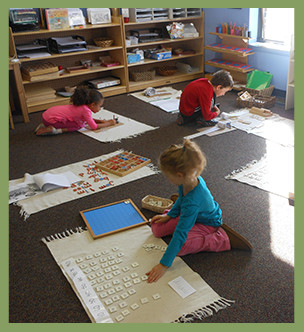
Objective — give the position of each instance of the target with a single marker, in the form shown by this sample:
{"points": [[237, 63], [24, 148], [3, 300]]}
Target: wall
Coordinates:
{"points": [[274, 61]]}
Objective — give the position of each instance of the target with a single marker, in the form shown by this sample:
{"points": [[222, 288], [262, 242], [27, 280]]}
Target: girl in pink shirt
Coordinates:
{"points": [[64, 118]]}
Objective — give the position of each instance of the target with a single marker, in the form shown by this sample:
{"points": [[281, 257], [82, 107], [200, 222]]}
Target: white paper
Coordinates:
{"points": [[182, 287], [168, 105], [88, 296], [33, 185], [48, 181]]}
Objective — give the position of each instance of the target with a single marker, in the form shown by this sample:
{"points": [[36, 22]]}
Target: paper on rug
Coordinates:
{"points": [[168, 102], [129, 128], [275, 128], [108, 277], [92, 181], [273, 173]]}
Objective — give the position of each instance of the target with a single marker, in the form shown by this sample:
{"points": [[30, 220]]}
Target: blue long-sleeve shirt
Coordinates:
{"points": [[197, 206]]}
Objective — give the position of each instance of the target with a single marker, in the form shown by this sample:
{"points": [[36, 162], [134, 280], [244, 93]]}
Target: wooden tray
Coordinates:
{"points": [[123, 163], [112, 218]]}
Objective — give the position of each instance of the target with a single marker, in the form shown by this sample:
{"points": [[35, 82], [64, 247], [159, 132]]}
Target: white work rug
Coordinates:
{"points": [[273, 173], [168, 103], [127, 128], [92, 181], [108, 277]]}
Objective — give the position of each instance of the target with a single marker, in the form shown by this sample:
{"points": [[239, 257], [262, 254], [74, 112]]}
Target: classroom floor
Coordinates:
{"points": [[260, 282]]}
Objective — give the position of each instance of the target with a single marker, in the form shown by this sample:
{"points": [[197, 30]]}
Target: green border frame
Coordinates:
{"points": [[5, 168]]}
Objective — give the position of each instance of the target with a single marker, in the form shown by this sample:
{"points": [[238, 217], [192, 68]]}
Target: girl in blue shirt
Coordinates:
{"points": [[195, 219]]}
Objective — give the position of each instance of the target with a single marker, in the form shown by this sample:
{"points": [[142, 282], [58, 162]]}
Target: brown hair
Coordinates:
{"points": [[223, 78], [183, 158], [84, 96]]}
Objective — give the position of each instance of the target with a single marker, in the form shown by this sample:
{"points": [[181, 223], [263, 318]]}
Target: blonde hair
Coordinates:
{"points": [[184, 158]]}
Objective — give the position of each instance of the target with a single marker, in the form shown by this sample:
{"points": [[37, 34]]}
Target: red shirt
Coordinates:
{"points": [[197, 93]]}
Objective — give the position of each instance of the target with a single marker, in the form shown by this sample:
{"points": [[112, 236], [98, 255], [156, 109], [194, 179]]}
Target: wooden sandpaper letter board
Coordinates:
{"points": [[112, 218], [123, 163]]}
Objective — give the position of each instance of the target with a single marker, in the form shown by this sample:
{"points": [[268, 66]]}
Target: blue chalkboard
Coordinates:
{"points": [[115, 217]]}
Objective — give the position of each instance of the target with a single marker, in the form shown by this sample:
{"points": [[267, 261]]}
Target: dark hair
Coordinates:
{"points": [[85, 96], [184, 158], [223, 78]]}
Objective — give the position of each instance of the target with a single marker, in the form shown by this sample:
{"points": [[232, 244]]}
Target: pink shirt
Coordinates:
{"points": [[70, 113]]}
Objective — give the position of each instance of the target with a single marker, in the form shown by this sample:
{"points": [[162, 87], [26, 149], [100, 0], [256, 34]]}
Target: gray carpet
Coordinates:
{"points": [[260, 282]]}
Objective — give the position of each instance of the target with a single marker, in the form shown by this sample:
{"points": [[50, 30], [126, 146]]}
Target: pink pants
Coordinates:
{"points": [[70, 125], [200, 237]]}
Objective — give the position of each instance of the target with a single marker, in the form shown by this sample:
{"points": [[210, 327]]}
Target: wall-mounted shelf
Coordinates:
{"points": [[239, 59]]}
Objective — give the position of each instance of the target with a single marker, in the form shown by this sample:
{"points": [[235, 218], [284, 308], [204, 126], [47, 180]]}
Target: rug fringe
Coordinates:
{"points": [[62, 235], [241, 169], [206, 311], [22, 212]]}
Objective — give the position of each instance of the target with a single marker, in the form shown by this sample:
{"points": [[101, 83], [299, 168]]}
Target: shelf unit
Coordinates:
{"points": [[289, 101], [194, 60], [239, 74], [37, 101], [37, 96]]}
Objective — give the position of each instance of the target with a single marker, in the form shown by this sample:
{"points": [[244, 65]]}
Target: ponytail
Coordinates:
{"points": [[184, 158]]}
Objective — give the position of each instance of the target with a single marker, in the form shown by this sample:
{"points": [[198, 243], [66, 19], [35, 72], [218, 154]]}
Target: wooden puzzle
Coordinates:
{"points": [[112, 218], [123, 163]]}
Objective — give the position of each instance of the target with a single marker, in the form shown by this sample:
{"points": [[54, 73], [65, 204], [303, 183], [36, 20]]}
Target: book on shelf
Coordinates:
{"points": [[57, 18]]}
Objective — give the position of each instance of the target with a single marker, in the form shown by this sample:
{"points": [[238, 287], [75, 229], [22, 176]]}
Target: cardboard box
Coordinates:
{"points": [[133, 57], [161, 55]]}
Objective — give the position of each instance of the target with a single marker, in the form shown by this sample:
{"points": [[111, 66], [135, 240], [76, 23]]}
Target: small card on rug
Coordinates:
{"points": [[182, 287]]}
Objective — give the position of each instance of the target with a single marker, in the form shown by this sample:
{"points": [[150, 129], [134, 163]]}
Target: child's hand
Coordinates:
{"points": [[160, 218], [216, 109], [157, 272], [111, 122]]}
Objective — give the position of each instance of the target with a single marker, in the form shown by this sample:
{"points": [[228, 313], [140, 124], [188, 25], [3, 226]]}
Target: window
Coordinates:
{"points": [[276, 25]]}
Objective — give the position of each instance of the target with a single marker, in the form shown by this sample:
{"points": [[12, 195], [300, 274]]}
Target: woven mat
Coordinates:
{"points": [[128, 128], [273, 173], [92, 181], [108, 277]]}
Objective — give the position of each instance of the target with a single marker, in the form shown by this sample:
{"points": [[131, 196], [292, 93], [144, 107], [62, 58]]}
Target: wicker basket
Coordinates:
{"points": [[166, 70], [146, 203], [263, 92], [256, 101], [103, 42], [142, 74]]}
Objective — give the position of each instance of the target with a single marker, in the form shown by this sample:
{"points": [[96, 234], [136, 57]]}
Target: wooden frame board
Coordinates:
{"points": [[123, 163], [112, 218]]}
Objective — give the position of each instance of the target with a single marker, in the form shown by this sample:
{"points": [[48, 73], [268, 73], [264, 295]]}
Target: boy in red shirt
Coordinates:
{"points": [[197, 102]]}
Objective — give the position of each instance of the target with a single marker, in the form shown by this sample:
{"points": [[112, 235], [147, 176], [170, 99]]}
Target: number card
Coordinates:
{"points": [[111, 218]]}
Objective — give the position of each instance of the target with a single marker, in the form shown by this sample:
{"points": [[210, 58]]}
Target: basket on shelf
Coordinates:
{"points": [[142, 74], [263, 92], [156, 204], [166, 70], [256, 101], [103, 42]]}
